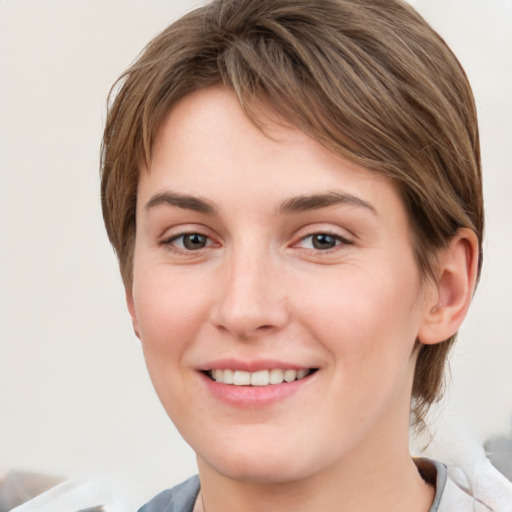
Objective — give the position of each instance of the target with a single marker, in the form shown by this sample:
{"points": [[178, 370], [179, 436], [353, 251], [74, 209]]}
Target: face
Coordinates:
{"points": [[275, 293]]}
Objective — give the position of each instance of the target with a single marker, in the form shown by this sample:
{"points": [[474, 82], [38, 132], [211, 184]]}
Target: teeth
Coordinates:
{"points": [[241, 378], [259, 378], [228, 376], [276, 376], [290, 375], [301, 374]]}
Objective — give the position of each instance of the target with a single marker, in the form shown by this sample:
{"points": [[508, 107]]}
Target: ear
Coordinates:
{"points": [[131, 309], [452, 292]]}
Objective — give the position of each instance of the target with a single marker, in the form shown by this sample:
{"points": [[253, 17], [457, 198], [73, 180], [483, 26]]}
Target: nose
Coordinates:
{"points": [[251, 299]]}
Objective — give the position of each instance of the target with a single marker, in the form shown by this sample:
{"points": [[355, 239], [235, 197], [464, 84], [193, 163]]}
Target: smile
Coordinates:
{"points": [[259, 378]]}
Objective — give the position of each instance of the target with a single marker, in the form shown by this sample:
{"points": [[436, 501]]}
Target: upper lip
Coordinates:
{"points": [[254, 365]]}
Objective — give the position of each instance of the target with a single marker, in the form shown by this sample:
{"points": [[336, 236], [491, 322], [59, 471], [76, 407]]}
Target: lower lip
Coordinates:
{"points": [[249, 397]]}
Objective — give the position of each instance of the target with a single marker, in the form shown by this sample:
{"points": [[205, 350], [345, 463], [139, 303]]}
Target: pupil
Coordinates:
{"points": [[194, 241], [323, 241]]}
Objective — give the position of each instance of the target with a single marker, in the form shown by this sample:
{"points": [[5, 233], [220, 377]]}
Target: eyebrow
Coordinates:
{"points": [[316, 201], [186, 202], [292, 205]]}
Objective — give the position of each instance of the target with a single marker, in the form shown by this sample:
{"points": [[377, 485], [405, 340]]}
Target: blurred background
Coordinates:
{"points": [[74, 393]]}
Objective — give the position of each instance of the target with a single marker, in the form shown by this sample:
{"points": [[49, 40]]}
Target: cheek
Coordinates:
{"points": [[169, 317], [368, 321], [165, 300], [170, 310]]}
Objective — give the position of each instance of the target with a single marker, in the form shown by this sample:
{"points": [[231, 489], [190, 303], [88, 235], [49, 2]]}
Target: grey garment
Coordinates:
{"points": [[183, 497], [499, 451], [436, 474], [178, 499]]}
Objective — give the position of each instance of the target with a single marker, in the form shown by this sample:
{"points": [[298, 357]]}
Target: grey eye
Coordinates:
{"points": [[322, 241], [194, 241]]}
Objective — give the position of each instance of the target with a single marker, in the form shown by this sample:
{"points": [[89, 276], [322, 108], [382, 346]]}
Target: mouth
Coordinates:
{"points": [[259, 378]]}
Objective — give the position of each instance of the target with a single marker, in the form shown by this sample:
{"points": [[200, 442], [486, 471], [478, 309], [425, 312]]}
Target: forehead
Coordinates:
{"points": [[207, 145]]}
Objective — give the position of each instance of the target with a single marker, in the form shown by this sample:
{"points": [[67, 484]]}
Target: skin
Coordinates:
{"points": [[257, 285]]}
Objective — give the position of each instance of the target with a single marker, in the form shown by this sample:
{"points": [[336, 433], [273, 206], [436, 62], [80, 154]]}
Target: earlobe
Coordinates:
{"points": [[131, 309], [453, 290]]}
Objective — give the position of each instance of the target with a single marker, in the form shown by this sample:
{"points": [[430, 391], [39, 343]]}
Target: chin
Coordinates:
{"points": [[273, 464], [266, 470]]}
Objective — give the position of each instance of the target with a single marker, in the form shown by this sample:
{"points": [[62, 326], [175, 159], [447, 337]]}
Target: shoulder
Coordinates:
{"points": [[450, 495], [180, 498], [17, 487]]}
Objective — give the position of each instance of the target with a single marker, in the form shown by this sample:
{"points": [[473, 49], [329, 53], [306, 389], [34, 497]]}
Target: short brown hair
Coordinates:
{"points": [[369, 79]]}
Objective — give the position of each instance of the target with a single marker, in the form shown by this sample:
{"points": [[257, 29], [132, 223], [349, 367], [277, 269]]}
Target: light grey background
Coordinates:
{"points": [[74, 394]]}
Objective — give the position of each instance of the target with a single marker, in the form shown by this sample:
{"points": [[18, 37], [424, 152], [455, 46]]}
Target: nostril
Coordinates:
{"points": [[247, 316]]}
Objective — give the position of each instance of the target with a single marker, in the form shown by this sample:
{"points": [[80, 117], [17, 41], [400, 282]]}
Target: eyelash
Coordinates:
{"points": [[339, 241], [171, 242]]}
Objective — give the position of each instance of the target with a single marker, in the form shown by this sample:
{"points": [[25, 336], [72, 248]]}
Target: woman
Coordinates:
{"points": [[293, 190]]}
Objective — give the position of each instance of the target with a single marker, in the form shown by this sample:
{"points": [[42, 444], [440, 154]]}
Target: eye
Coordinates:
{"points": [[323, 241], [189, 241]]}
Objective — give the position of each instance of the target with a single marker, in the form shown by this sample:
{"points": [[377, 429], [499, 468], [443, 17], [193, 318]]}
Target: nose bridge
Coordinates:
{"points": [[250, 300]]}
